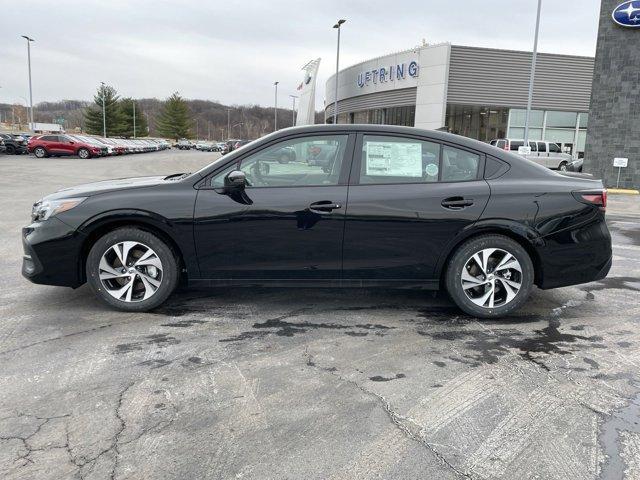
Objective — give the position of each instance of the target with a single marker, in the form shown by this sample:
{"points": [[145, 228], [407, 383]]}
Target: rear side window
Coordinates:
{"points": [[459, 165], [49, 138], [542, 147], [515, 144], [387, 159]]}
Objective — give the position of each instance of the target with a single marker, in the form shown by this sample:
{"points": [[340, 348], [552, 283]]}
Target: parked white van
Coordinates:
{"points": [[547, 154]]}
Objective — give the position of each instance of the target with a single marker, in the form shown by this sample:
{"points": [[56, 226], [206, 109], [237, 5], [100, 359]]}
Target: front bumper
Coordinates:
{"points": [[52, 254]]}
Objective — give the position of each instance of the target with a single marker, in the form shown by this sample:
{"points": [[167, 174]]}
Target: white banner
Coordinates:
{"points": [[307, 92]]}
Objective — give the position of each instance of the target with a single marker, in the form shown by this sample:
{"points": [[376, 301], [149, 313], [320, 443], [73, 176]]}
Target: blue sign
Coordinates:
{"points": [[391, 74], [627, 14]]}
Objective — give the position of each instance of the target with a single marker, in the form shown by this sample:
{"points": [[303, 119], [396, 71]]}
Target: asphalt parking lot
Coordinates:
{"points": [[310, 384]]}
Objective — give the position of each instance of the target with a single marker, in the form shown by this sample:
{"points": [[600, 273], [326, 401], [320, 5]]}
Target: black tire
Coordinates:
{"points": [[563, 166], [170, 268], [40, 152], [463, 254], [84, 153], [11, 150]]}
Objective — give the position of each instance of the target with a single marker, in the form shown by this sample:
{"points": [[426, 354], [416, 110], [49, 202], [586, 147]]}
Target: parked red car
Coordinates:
{"points": [[57, 145]]}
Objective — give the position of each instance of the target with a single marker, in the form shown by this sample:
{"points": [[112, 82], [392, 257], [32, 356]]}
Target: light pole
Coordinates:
{"points": [[228, 123], [335, 108], [29, 40], [532, 76], [275, 108], [104, 114], [134, 118], [236, 125], [293, 110]]}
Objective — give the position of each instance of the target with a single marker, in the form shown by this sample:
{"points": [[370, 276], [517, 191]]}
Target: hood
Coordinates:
{"points": [[89, 189]]}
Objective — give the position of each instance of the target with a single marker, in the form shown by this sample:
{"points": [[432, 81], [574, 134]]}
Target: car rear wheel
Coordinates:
{"points": [[40, 152], [490, 276], [84, 153], [132, 270]]}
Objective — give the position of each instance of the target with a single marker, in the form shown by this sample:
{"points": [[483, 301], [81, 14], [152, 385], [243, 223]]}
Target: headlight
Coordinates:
{"points": [[44, 209]]}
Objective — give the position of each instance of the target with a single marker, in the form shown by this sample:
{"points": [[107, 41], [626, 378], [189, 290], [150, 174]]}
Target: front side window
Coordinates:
{"points": [[459, 165], [515, 144], [307, 161], [554, 148], [388, 159]]}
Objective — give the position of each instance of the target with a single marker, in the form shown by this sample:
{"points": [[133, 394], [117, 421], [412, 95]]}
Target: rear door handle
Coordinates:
{"points": [[324, 206], [456, 203]]}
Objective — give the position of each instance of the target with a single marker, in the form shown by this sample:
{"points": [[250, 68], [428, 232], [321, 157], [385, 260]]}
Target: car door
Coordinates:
{"points": [[65, 145], [286, 224], [408, 199]]}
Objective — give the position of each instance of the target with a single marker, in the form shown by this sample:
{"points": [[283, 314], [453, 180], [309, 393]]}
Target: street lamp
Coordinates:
{"points": [[236, 125], [531, 77], [335, 109], [134, 117], [228, 123], [104, 114], [29, 40], [275, 109], [293, 110]]}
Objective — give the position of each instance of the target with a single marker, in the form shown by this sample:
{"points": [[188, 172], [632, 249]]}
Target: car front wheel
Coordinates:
{"points": [[132, 270], [562, 167], [490, 276], [84, 153]]}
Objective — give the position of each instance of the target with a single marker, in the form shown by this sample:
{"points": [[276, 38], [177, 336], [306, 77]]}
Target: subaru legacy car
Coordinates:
{"points": [[398, 207]]}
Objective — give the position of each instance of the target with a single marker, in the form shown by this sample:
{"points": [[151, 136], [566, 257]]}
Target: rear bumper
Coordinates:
{"points": [[579, 255]]}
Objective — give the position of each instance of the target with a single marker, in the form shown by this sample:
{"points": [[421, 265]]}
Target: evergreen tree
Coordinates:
{"points": [[126, 109], [174, 120], [113, 113]]}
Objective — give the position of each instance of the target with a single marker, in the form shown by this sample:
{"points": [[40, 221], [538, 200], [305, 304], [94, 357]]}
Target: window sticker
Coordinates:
{"points": [[431, 170], [394, 159]]}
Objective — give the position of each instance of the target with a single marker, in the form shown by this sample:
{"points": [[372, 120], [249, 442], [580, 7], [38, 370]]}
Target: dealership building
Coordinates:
{"points": [[476, 92]]}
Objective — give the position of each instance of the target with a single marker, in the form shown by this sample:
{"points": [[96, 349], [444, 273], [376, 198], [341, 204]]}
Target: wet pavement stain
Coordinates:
{"points": [[437, 363], [155, 363], [159, 340], [379, 378], [488, 346], [184, 323], [626, 419], [610, 283], [281, 327]]}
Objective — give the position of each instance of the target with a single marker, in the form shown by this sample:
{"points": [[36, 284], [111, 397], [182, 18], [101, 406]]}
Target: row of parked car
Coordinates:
{"points": [[86, 147], [83, 146]]}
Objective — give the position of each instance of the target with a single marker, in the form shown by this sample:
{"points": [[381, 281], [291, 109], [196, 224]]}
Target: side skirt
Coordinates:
{"points": [[337, 283]]}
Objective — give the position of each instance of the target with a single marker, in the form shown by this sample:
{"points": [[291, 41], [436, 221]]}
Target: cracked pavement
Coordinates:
{"points": [[313, 384]]}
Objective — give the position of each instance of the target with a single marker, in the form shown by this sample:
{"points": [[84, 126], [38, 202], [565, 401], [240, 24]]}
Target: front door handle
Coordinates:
{"points": [[456, 203], [324, 206]]}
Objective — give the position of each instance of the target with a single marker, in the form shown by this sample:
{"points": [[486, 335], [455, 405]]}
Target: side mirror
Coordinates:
{"points": [[235, 179]]}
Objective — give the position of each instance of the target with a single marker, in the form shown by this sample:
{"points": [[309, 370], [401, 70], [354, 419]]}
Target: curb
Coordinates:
{"points": [[622, 191]]}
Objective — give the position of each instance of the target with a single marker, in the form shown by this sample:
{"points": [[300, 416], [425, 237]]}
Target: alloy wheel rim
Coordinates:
{"points": [[130, 271], [491, 278], [83, 154]]}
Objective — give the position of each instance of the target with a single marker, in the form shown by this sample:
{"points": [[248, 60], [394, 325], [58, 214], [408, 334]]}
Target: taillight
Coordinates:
{"points": [[506, 146], [596, 198]]}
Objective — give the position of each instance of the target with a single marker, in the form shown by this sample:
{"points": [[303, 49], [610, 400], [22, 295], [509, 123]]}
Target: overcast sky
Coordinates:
{"points": [[233, 51]]}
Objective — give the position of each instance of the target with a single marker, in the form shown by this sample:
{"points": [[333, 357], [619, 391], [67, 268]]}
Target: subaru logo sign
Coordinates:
{"points": [[627, 14]]}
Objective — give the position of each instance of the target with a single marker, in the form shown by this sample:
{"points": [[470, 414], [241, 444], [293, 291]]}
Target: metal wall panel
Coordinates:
{"points": [[390, 98], [482, 76]]}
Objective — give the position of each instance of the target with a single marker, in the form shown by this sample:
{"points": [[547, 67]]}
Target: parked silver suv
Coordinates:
{"points": [[547, 154]]}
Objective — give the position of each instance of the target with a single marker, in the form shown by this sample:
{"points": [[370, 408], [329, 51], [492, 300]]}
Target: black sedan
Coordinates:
{"points": [[398, 207]]}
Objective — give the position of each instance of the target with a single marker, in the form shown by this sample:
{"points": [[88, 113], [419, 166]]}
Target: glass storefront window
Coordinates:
{"points": [[518, 132], [584, 120], [561, 119], [560, 135], [518, 118], [479, 122]]}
